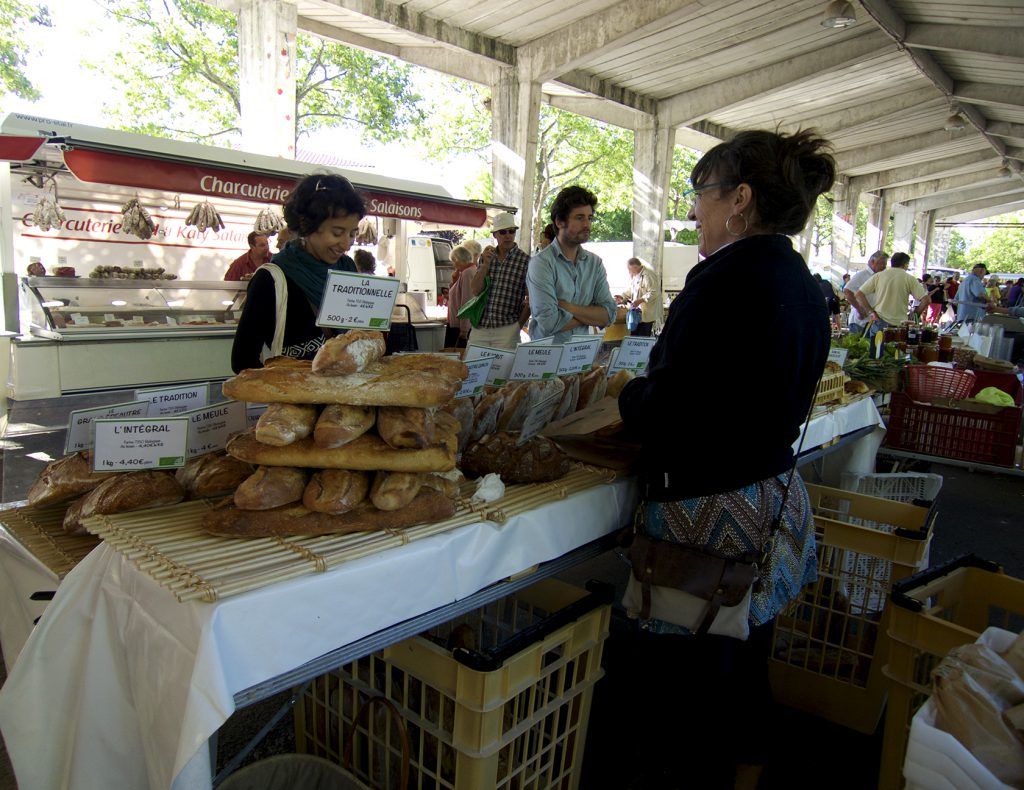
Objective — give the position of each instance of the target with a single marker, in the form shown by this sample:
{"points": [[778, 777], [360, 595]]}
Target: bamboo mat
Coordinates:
{"points": [[40, 530], [170, 546]]}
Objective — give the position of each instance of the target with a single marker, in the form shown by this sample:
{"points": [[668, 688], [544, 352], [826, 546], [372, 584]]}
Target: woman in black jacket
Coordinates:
{"points": [[323, 212], [717, 414]]}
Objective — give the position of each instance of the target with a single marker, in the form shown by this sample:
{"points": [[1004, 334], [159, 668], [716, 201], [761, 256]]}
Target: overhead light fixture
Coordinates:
{"points": [[838, 13], [955, 123]]}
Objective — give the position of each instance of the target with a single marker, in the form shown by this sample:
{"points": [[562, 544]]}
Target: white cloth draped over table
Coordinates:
{"points": [[121, 686]]}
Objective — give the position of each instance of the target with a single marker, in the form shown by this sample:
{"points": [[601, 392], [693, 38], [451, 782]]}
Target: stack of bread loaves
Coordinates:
{"points": [[353, 441]]}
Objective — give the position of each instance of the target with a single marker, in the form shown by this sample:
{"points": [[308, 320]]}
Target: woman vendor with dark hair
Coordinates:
{"points": [[283, 298], [717, 435]]}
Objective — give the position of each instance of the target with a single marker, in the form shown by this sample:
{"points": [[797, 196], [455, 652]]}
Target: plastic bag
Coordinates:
{"points": [[989, 670], [995, 396], [473, 309], [633, 317]]}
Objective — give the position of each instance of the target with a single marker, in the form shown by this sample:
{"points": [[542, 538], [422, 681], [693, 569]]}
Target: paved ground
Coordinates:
{"points": [[977, 512]]}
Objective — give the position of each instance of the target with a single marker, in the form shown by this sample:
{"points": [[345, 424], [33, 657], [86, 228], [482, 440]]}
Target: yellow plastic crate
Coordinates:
{"points": [[825, 641], [930, 614], [511, 711], [830, 388]]}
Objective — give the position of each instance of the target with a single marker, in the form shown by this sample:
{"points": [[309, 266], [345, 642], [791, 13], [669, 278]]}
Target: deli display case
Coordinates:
{"points": [[84, 334]]}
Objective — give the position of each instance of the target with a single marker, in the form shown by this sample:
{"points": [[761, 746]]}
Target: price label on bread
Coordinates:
{"points": [[501, 367], [578, 356], [79, 433], [210, 428], [633, 355], [535, 362], [358, 301], [539, 416], [123, 445], [167, 401], [479, 370]]}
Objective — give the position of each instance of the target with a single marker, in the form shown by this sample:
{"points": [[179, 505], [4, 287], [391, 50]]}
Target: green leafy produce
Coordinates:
{"points": [[879, 374], [856, 345]]}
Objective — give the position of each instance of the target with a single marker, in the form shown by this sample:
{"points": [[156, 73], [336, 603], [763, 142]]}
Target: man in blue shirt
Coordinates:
{"points": [[568, 286], [972, 297]]}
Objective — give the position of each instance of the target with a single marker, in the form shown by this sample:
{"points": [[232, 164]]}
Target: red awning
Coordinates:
{"points": [[19, 149], [104, 167]]}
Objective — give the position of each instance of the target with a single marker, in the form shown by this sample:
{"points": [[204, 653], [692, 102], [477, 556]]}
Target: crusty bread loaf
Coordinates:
{"points": [[406, 428], [570, 395], [340, 423], [368, 452], [593, 387], [271, 486], [462, 410], [290, 362], [66, 478], [351, 352], [394, 490], [485, 418], [124, 492], [514, 409], [284, 423], [421, 380], [428, 506], [538, 460], [617, 382], [335, 490], [213, 474]]}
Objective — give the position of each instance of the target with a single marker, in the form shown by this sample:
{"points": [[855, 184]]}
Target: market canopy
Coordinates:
{"points": [[103, 156], [923, 99]]}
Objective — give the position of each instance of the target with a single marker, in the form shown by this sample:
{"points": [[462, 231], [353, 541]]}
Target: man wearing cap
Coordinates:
{"points": [[246, 264], [569, 286], [971, 296], [506, 311]]}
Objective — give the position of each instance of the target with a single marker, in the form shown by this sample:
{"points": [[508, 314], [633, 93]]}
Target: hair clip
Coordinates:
{"points": [[319, 186]]}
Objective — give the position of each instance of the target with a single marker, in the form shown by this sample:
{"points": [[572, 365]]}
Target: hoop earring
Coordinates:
{"points": [[732, 232]]}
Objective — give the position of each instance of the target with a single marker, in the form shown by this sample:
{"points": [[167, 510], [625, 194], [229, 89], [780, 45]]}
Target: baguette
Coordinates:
{"points": [[271, 486], [487, 414], [335, 491], [428, 506], [395, 490], [284, 423], [213, 474], [340, 424], [593, 387], [514, 409], [66, 478], [368, 453], [406, 428], [127, 491], [570, 396], [421, 380], [351, 352]]}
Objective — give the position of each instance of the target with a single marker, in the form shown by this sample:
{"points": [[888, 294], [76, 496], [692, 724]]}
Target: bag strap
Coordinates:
{"points": [[281, 312]]}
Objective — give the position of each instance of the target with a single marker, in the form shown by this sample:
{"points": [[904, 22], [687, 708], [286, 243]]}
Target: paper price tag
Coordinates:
{"points": [[479, 369], [166, 401], [838, 355], [253, 412], [79, 433], [210, 428], [358, 301], [123, 445], [501, 367], [538, 418], [633, 355], [534, 362], [578, 356]]}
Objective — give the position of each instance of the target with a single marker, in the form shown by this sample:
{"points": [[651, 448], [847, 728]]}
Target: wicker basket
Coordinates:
{"points": [[925, 383], [830, 388]]}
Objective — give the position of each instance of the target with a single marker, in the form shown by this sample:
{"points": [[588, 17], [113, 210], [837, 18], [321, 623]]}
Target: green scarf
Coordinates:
{"points": [[307, 272]]}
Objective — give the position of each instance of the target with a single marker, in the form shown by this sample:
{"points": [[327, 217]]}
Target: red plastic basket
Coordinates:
{"points": [[953, 433], [927, 382], [1007, 382]]}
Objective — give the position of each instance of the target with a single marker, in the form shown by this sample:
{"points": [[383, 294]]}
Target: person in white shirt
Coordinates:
{"points": [[875, 264]]}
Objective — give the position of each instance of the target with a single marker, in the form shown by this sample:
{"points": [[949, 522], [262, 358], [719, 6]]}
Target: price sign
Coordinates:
{"points": [[79, 433], [253, 412], [838, 355], [539, 417], [358, 301], [210, 428], [501, 367], [163, 402], [123, 445], [579, 355], [534, 362], [633, 355], [479, 369]]}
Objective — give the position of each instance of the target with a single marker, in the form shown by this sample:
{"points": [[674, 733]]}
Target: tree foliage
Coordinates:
{"points": [[1003, 249], [956, 251], [178, 77], [15, 18]]}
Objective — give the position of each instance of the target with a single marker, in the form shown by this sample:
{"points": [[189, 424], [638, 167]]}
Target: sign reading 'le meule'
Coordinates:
{"points": [[103, 167]]}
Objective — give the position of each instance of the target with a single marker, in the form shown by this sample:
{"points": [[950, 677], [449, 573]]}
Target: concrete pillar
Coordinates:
{"points": [[878, 222], [266, 78], [923, 226], [515, 115], [844, 223], [653, 146], [903, 228], [8, 266]]}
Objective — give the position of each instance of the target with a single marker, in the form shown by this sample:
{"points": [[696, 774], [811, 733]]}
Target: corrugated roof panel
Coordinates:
{"points": [[972, 12], [956, 148]]}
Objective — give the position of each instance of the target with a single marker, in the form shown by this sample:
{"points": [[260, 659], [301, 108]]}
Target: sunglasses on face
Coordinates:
{"points": [[507, 232]]}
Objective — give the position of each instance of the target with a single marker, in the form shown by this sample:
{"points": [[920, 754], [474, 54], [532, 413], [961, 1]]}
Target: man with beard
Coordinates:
{"points": [[568, 286]]}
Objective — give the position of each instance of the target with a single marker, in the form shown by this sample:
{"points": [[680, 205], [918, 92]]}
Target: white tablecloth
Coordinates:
{"points": [[21, 576], [121, 686], [858, 456]]}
